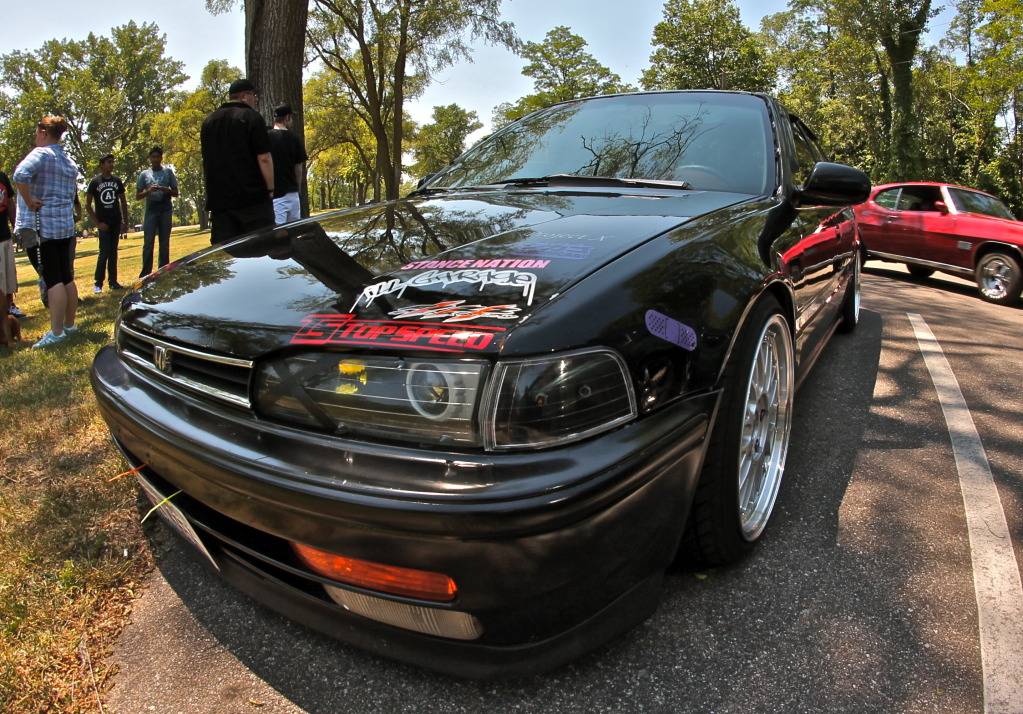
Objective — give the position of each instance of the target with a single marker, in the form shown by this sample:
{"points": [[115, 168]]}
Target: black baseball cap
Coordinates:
{"points": [[241, 85], [282, 111]]}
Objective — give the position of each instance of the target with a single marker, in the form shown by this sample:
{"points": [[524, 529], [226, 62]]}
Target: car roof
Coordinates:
{"points": [[900, 184]]}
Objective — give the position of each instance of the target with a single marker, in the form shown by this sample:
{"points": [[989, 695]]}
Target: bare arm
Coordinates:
{"points": [[33, 203], [92, 212], [124, 214], [266, 166], [77, 208]]}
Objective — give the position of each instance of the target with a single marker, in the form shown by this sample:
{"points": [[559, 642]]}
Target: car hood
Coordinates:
{"points": [[451, 273]]}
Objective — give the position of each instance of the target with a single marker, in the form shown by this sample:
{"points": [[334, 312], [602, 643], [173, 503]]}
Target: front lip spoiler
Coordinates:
{"points": [[468, 660]]}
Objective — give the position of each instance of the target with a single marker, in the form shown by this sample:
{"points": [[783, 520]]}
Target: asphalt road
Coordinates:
{"points": [[860, 597]]}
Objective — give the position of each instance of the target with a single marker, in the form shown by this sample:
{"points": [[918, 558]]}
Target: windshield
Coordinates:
{"points": [[717, 142], [973, 202]]}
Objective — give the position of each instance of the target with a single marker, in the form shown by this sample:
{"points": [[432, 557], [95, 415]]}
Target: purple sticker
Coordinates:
{"points": [[669, 330]]}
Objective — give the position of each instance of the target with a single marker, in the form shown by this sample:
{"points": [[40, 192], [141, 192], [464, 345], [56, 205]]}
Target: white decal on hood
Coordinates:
{"points": [[456, 311], [505, 278]]}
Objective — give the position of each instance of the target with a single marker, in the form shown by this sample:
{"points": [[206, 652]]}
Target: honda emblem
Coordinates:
{"points": [[162, 359]]}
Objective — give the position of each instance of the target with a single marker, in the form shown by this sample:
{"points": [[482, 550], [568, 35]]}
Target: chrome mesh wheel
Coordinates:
{"points": [[994, 275], [767, 421]]}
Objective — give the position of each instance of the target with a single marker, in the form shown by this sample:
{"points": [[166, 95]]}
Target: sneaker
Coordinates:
{"points": [[116, 286], [97, 289], [14, 310], [70, 329], [49, 339]]}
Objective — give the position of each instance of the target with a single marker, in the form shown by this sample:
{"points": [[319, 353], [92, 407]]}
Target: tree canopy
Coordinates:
{"points": [[383, 50], [441, 141], [703, 44], [108, 88], [177, 131], [561, 69]]}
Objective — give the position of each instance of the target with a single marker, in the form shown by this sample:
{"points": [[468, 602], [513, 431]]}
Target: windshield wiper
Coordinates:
{"points": [[594, 181]]}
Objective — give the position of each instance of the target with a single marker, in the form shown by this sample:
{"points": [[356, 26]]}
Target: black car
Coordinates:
{"points": [[471, 428]]}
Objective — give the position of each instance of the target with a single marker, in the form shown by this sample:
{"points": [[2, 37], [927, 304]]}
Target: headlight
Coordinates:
{"points": [[532, 403], [556, 400], [409, 400]]}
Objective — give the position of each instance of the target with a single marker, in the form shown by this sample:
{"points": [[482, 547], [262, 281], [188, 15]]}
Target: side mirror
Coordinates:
{"points": [[941, 207], [833, 185], [421, 182]]}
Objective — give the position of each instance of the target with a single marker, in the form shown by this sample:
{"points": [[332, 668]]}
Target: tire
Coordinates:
{"points": [[719, 530], [919, 271], [999, 278], [851, 302]]}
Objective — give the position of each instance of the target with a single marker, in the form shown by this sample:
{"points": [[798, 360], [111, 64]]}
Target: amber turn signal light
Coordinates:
{"points": [[421, 584]]}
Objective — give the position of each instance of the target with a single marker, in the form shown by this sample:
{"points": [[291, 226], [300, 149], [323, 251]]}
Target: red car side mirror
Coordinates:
{"points": [[940, 207]]}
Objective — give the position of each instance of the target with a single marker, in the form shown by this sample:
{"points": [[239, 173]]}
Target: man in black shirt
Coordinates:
{"points": [[289, 164], [237, 165], [107, 206]]}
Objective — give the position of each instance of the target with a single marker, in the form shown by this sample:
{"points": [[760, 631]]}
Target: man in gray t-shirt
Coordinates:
{"points": [[157, 185]]}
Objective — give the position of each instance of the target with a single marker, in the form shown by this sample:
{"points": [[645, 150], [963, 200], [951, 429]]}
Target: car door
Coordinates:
{"points": [[875, 218], [810, 248], [919, 221]]}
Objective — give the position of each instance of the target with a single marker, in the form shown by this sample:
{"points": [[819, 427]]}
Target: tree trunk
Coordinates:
{"points": [[904, 159], [397, 120], [204, 216], [274, 56]]}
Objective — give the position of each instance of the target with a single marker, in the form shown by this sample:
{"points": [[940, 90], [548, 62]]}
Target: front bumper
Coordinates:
{"points": [[554, 552]]}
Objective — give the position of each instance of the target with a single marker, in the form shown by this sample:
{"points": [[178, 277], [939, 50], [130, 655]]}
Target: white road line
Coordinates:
{"points": [[996, 578]]}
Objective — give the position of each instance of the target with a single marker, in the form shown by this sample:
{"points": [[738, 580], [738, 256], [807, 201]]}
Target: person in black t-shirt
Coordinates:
{"points": [[289, 166], [108, 207], [237, 166]]}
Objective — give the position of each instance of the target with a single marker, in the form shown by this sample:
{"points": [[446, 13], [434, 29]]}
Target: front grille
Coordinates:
{"points": [[223, 378]]}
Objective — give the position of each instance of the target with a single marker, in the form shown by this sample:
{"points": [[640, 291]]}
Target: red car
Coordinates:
{"points": [[936, 226]]}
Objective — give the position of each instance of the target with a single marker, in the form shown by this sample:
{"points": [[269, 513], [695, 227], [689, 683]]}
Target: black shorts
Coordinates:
{"points": [[54, 260]]}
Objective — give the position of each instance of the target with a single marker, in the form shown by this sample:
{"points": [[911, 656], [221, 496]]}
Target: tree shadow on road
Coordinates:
{"points": [[938, 281]]}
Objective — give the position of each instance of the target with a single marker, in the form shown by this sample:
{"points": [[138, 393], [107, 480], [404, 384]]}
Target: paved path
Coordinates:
{"points": [[861, 597]]}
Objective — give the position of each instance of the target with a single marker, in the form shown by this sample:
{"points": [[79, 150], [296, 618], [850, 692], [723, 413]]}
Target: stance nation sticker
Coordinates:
{"points": [[670, 330], [481, 263], [345, 329]]}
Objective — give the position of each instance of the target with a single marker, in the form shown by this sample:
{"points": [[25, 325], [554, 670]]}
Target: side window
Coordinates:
{"points": [[888, 199], [919, 198], [807, 154]]}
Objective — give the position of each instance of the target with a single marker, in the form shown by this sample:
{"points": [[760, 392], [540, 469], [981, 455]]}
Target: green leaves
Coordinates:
{"points": [[177, 131], [561, 70], [440, 142], [702, 44], [108, 88]]}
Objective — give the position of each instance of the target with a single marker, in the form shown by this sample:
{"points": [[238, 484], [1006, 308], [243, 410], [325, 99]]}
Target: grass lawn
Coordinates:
{"points": [[71, 548]]}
